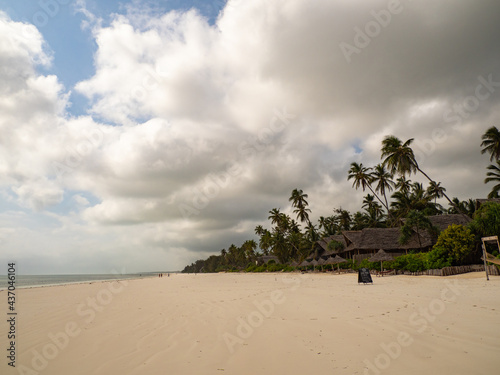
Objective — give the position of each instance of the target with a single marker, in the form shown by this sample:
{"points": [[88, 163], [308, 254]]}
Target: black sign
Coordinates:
{"points": [[364, 276]]}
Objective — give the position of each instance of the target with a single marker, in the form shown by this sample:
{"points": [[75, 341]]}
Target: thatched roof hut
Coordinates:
{"points": [[321, 262], [381, 256], [304, 263], [335, 260]]}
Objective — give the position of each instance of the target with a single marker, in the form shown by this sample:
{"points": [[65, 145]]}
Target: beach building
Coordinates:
{"points": [[362, 244]]}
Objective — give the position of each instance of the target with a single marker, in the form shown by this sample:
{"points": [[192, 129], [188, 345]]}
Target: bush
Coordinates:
{"points": [[387, 265], [438, 258], [251, 268], [350, 263], [416, 262], [410, 262], [365, 263], [273, 267], [452, 248]]}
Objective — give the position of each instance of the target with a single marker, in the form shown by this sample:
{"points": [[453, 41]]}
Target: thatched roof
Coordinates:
{"points": [[321, 262], [381, 256], [314, 262], [444, 221], [351, 236], [335, 260], [384, 238], [304, 263], [479, 202]]}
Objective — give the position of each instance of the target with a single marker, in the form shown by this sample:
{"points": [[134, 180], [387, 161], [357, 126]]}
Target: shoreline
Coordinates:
{"points": [[71, 282], [472, 275]]}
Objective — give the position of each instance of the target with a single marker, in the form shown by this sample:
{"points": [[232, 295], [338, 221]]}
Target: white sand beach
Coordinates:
{"points": [[259, 324]]}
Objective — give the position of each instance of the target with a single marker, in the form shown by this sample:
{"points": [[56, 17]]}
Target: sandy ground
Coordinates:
{"points": [[258, 324]]}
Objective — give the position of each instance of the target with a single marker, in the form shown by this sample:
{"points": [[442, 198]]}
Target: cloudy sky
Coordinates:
{"points": [[144, 135]]}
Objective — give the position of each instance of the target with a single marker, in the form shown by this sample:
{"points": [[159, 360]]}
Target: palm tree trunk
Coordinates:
{"points": [[387, 207], [380, 200], [418, 236]]}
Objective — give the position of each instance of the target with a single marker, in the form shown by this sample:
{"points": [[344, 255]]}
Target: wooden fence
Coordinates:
{"points": [[449, 271]]}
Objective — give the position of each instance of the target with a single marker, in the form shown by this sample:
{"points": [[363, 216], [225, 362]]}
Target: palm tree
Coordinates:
{"points": [[469, 207], [359, 221], [275, 216], [249, 249], [265, 241], [363, 178], [417, 199], [298, 200], [223, 254], [435, 190], [384, 183], [259, 230], [403, 185], [311, 233], [328, 224], [491, 143], [343, 218], [493, 176], [279, 247], [370, 205], [399, 157]]}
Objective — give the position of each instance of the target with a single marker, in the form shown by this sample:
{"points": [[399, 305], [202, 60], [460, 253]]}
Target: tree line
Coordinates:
{"points": [[391, 196]]}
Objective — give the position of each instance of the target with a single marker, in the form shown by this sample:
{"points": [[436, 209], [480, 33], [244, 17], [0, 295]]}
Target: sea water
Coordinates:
{"points": [[23, 281]]}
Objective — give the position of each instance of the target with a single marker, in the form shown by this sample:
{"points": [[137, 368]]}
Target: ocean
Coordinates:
{"points": [[23, 281]]}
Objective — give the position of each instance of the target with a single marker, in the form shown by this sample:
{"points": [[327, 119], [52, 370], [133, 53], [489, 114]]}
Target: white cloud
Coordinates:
{"points": [[38, 195]]}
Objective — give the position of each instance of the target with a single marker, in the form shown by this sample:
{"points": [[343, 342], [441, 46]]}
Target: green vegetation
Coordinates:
{"points": [[408, 207], [491, 145], [453, 247]]}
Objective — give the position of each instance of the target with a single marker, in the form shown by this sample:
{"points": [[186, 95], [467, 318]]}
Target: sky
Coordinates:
{"points": [[143, 135]]}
